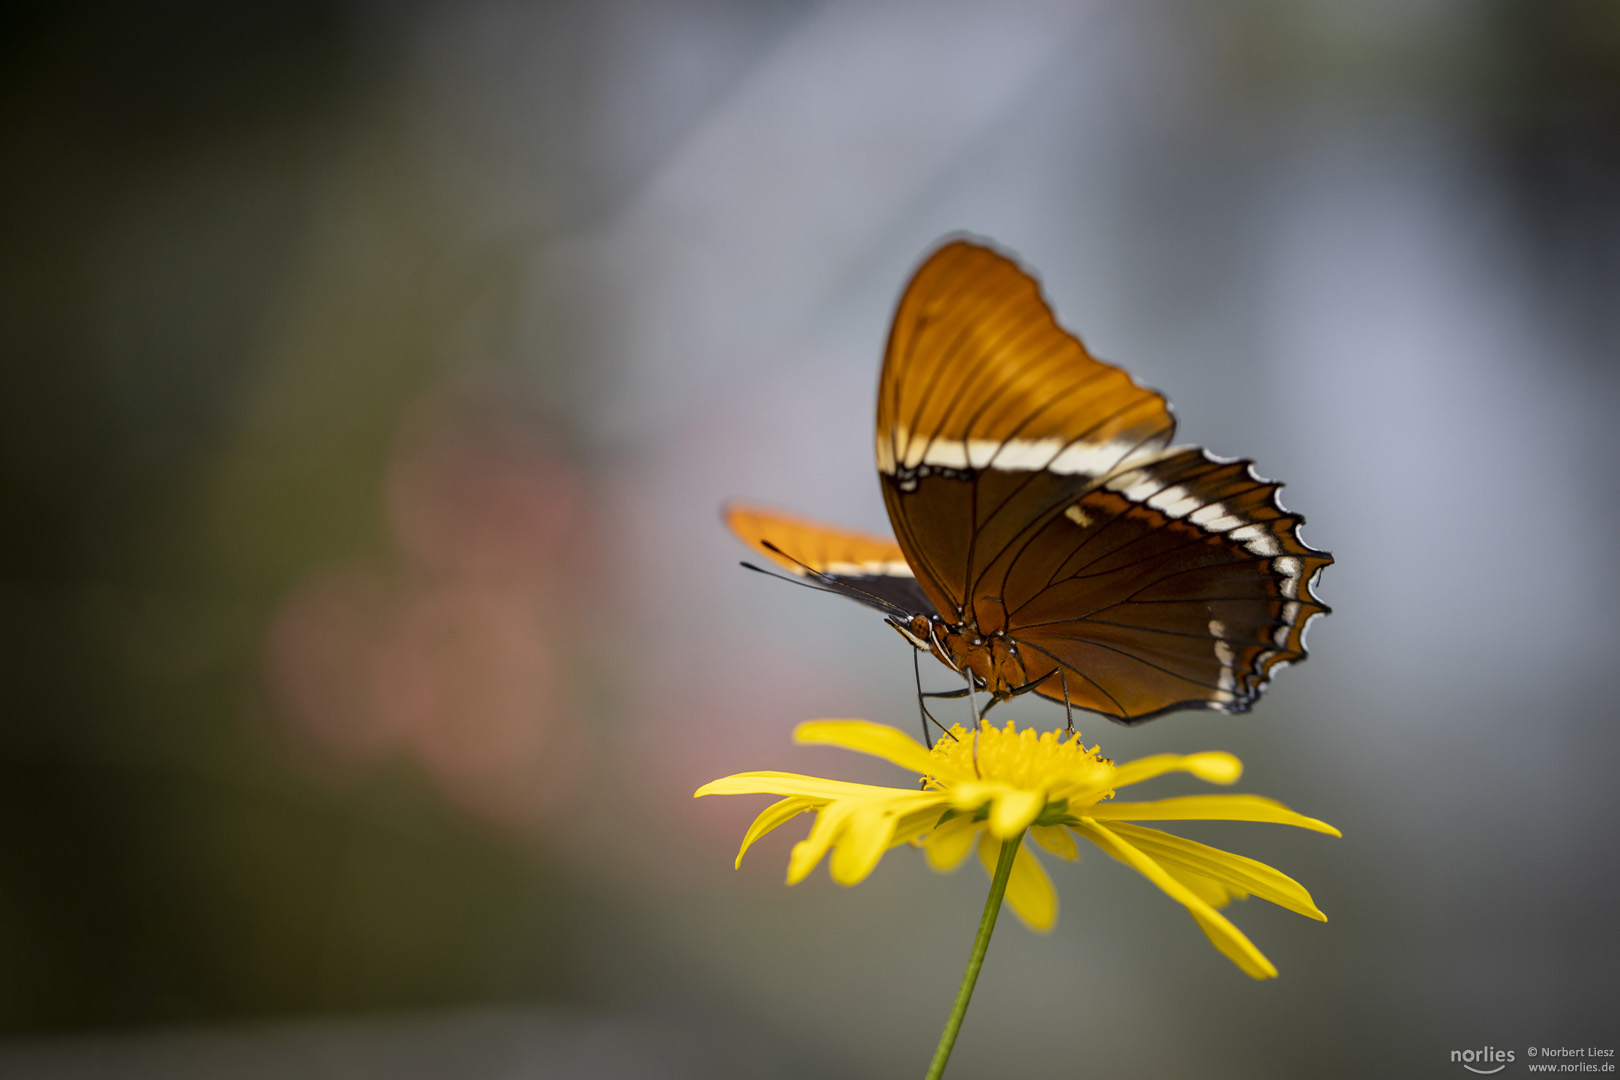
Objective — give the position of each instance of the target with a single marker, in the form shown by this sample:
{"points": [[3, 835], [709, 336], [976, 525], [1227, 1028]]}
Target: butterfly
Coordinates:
{"points": [[1047, 536]]}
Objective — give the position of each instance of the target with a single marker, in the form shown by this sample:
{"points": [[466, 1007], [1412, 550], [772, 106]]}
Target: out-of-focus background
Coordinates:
{"points": [[374, 373]]}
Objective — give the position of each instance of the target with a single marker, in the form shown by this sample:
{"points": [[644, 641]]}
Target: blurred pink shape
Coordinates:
{"points": [[322, 646], [456, 657], [472, 686], [475, 495]]}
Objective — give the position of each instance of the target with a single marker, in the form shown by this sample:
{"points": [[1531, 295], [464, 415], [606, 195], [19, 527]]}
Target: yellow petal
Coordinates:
{"points": [[1234, 946], [781, 783], [1225, 937], [1029, 890], [861, 843], [1030, 893], [830, 822], [808, 852], [1216, 766], [1236, 872], [1056, 839], [950, 843], [772, 816], [860, 824], [865, 737], [917, 822], [1013, 812], [969, 795], [1209, 808], [1209, 891]]}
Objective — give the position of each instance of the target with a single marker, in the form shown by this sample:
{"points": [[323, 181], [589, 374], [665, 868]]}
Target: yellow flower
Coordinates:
{"points": [[980, 791]]}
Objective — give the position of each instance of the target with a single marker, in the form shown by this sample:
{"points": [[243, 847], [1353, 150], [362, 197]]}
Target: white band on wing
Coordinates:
{"points": [[1064, 456]]}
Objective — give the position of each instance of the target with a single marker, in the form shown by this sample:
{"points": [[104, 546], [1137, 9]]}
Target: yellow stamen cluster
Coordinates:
{"points": [[1054, 761]]}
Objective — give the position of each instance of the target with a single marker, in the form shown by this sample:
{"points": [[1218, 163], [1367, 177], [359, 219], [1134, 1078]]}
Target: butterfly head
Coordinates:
{"points": [[918, 630]]}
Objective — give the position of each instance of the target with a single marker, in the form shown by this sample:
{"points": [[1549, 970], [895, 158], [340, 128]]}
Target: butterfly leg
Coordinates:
{"points": [[978, 722], [928, 717], [916, 670], [1068, 707], [932, 719], [928, 740]]}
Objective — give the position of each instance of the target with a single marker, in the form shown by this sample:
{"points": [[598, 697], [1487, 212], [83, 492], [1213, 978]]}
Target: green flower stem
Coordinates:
{"points": [[987, 925]]}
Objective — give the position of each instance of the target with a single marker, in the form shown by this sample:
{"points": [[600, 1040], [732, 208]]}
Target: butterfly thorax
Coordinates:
{"points": [[992, 658]]}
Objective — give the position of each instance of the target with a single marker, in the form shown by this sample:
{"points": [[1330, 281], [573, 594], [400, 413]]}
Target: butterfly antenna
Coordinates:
{"points": [[836, 590], [779, 576], [787, 578], [837, 586]]}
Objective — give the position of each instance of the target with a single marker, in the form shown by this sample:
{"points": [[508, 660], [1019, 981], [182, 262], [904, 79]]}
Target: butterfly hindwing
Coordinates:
{"points": [[1178, 582]]}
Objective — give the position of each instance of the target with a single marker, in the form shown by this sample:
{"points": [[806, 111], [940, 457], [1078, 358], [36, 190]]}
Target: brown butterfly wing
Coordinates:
{"points": [[991, 417], [1177, 583], [866, 567]]}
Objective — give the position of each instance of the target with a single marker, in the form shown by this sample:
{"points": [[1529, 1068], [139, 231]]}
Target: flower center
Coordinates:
{"points": [[1053, 761]]}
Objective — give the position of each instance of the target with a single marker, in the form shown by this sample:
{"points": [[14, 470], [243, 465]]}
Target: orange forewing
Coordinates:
{"points": [[976, 358], [800, 543]]}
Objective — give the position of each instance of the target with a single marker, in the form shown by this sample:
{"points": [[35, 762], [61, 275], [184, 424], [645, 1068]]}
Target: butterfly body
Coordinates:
{"points": [[1048, 537], [992, 658]]}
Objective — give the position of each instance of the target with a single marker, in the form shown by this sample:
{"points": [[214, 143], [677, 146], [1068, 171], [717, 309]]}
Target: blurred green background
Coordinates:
{"points": [[374, 372]]}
